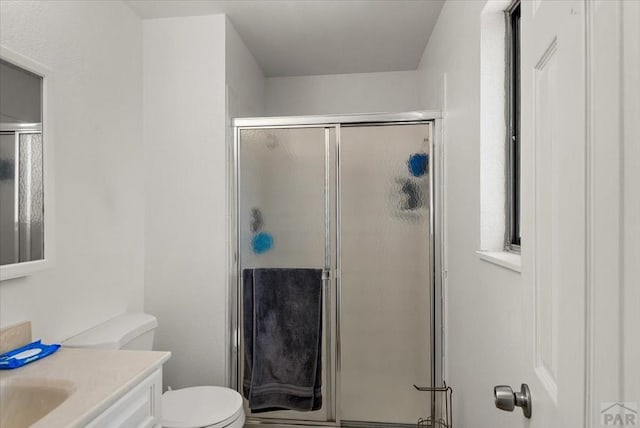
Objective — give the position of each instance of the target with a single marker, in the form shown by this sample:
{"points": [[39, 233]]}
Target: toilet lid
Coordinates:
{"points": [[200, 406]]}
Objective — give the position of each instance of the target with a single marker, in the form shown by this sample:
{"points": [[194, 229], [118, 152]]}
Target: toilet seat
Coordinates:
{"points": [[201, 406]]}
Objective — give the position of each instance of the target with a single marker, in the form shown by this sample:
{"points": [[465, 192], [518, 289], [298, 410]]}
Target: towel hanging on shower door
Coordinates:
{"points": [[282, 328]]}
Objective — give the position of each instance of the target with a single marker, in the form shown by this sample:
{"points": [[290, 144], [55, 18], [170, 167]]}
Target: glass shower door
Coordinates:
{"points": [[385, 269], [284, 177]]}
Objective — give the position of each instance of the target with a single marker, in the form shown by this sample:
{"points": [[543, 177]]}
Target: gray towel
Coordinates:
{"points": [[282, 328]]}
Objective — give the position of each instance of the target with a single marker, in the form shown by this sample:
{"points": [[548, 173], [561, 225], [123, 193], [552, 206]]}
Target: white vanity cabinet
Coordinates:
{"points": [[138, 408]]}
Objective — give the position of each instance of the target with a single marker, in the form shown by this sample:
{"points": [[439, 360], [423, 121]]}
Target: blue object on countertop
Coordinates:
{"points": [[25, 355], [261, 243], [418, 164]]}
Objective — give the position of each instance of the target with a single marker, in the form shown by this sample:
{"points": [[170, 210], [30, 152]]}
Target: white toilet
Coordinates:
{"points": [[195, 407]]}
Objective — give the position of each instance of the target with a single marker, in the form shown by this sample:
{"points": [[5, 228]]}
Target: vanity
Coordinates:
{"points": [[84, 388]]}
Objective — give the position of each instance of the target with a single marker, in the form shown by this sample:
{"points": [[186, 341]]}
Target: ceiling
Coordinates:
{"points": [[309, 37]]}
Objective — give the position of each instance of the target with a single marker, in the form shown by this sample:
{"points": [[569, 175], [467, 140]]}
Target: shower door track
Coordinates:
{"points": [[436, 246]]}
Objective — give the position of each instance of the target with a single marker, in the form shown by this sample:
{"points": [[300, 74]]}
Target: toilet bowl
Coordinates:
{"points": [[194, 407], [202, 406]]}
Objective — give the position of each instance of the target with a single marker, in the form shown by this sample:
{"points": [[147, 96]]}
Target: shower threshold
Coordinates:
{"points": [[343, 424]]}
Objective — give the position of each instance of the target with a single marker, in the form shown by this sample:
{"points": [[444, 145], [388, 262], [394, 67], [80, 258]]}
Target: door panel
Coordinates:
{"points": [[283, 222], [385, 273], [379, 249], [553, 215]]}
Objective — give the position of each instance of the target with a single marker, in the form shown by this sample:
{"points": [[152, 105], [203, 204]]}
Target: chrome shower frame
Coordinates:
{"points": [[436, 176]]}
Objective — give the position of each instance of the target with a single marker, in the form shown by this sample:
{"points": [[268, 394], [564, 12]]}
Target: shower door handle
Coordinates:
{"points": [[326, 274]]}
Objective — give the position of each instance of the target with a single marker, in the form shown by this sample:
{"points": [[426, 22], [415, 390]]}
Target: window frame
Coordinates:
{"points": [[513, 108]]}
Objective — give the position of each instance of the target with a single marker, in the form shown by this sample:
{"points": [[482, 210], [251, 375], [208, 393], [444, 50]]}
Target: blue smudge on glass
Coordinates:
{"points": [[261, 243], [418, 164]]}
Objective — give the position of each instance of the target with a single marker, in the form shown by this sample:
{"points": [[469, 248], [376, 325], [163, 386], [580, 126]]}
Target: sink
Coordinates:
{"points": [[24, 401]]}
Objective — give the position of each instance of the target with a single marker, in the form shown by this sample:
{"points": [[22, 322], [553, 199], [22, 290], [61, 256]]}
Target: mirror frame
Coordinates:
{"points": [[17, 270]]}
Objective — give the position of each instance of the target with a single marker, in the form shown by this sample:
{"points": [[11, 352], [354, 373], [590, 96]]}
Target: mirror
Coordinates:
{"points": [[21, 166]]}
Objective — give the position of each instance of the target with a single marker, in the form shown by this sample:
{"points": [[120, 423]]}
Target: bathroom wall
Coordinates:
{"points": [[185, 194], [246, 89], [474, 326], [394, 91], [198, 73], [94, 50]]}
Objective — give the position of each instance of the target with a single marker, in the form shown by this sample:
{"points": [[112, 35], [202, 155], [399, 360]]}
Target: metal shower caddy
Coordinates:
{"points": [[444, 395]]}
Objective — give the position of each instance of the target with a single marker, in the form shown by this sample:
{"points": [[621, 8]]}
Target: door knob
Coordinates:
{"points": [[508, 400]]}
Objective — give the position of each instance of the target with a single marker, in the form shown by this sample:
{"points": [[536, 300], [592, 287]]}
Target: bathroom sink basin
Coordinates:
{"points": [[26, 400]]}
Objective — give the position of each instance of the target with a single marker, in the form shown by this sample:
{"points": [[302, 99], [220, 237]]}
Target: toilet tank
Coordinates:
{"points": [[126, 331]]}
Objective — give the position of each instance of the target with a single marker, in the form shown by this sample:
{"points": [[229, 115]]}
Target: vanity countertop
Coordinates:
{"points": [[100, 378]]}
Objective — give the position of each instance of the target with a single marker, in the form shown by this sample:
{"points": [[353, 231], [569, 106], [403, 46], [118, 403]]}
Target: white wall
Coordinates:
{"points": [[450, 71], [185, 194], [493, 126], [94, 50], [394, 91], [245, 80]]}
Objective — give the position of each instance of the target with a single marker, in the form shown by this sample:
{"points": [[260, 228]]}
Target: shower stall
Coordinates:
{"points": [[358, 198]]}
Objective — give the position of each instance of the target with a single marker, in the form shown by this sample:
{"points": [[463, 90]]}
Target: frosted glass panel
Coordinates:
{"points": [[282, 197], [31, 197], [385, 280], [282, 219]]}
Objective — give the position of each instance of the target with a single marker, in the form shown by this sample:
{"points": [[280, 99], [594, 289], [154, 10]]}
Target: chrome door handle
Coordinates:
{"points": [[508, 400]]}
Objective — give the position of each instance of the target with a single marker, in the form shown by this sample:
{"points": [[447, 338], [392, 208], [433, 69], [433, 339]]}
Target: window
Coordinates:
{"points": [[512, 238]]}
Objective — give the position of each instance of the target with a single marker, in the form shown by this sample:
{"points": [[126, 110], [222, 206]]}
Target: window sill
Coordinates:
{"points": [[508, 260]]}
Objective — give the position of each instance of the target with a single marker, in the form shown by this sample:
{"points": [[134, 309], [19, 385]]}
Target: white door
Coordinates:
{"points": [[553, 212]]}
